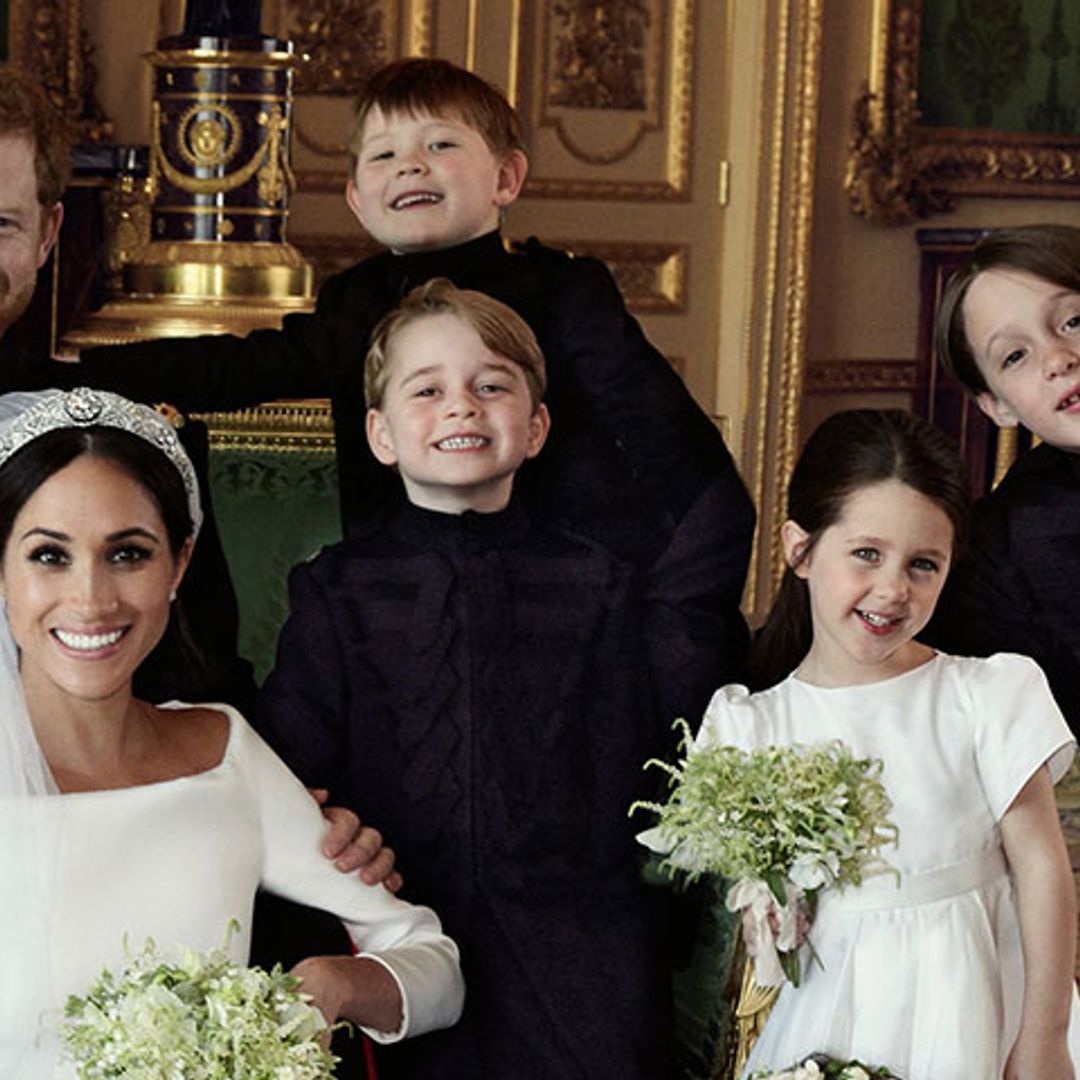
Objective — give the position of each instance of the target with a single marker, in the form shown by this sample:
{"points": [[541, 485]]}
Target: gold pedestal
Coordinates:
{"points": [[199, 246], [121, 322]]}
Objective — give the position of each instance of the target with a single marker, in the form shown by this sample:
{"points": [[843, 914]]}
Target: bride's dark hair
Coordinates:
{"points": [[850, 451], [30, 466]]}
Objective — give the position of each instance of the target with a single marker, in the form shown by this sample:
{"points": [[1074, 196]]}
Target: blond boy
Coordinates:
{"points": [[487, 686]]}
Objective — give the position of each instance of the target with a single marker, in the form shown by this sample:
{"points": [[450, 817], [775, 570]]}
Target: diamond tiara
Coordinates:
{"points": [[82, 408]]}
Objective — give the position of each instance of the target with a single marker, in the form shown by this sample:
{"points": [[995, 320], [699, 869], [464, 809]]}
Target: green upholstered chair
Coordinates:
{"points": [[274, 508]]}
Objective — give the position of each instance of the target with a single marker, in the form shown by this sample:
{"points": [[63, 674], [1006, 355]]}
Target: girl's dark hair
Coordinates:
{"points": [[1050, 252], [30, 466], [851, 451]]}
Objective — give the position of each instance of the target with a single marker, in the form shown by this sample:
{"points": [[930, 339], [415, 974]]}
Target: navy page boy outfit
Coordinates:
{"points": [[629, 451], [631, 461], [1016, 589], [487, 691]]}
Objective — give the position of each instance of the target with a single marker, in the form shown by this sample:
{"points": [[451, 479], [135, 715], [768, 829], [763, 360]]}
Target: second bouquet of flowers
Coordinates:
{"points": [[781, 823]]}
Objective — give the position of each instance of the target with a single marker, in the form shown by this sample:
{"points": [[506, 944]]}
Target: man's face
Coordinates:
{"points": [[27, 231]]}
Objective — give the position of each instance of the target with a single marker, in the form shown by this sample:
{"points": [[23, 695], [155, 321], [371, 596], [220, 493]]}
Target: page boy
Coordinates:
{"points": [[1009, 328], [487, 688], [437, 156]]}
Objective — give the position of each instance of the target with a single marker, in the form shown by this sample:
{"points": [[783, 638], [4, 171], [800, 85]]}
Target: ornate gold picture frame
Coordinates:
{"points": [[46, 37], [899, 170]]}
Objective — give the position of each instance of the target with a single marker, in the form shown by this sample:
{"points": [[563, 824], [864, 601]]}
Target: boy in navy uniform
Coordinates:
{"points": [[437, 156], [487, 687]]}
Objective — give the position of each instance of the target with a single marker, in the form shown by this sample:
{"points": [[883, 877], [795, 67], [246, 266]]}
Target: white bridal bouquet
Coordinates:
{"points": [[203, 1018], [781, 823], [819, 1067]]}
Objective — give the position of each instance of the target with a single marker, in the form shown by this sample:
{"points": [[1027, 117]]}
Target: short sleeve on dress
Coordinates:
{"points": [[1018, 727], [730, 720]]}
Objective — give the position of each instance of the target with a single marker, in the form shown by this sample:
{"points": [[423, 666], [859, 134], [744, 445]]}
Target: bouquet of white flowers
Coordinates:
{"points": [[781, 823], [820, 1067], [203, 1018]]}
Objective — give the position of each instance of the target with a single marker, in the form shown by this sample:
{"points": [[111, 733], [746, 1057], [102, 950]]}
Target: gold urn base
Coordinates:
{"points": [[186, 289], [120, 322]]}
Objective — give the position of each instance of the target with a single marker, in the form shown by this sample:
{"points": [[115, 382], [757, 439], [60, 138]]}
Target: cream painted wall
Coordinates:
{"points": [[864, 277]]}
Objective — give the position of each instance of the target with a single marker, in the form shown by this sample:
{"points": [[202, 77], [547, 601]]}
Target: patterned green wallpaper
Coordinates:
{"points": [[1008, 65]]}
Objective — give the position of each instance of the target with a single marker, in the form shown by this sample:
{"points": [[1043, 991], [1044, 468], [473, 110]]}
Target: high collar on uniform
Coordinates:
{"points": [[470, 531], [1042, 459], [460, 263]]}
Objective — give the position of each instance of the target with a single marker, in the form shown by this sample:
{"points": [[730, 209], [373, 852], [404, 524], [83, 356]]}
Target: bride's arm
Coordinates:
{"points": [[405, 942]]}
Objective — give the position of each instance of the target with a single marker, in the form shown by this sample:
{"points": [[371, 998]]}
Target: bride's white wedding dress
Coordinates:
{"points": [[176, 861]]}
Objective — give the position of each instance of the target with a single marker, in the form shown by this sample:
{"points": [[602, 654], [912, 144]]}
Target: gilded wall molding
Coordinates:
{"points": [[830, 376], [583, 53], [651, 277], [775, 350], [345, 42], [46, 37], [601, 56], [899, 170]]}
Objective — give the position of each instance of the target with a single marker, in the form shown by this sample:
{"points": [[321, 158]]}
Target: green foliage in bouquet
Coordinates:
{"points": [[815, 816], [203, 1018], [822, 1067]]}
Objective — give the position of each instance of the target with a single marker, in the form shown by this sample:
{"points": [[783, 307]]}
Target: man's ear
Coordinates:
{"points": [[379, 439], [50, 230], [996, 409], [794, 539], [511, 177]]}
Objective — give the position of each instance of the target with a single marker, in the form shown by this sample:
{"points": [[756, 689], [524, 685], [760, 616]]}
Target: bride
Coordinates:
{"points": [[121, 820]]}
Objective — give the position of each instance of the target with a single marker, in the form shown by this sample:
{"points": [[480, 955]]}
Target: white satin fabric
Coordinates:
{"points": [[178, 860], [925, 978]]}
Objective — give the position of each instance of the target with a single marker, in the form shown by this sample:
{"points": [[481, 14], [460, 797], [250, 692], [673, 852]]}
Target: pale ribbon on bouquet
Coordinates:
{"points": [[755, 900]]}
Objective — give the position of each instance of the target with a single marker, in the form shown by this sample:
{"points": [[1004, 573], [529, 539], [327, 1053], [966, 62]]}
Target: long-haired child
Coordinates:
{"points": [[1008, 327], [963, 969]]}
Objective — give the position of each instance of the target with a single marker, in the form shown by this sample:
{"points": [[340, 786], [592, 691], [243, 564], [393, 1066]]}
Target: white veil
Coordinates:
{"points": [[28, 841], [31, 823]]}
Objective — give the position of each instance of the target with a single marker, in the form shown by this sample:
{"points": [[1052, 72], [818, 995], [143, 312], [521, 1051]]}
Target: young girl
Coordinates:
{"points": [[963, 970]]}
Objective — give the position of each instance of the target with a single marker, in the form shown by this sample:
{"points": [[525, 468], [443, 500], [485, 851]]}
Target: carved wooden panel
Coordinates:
{"points": [[606, 93], [341, 43]]}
